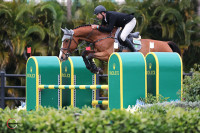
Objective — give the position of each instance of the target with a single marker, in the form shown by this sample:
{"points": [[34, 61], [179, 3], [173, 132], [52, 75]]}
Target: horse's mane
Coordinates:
{"points": [[83, 26], [90, 25]]}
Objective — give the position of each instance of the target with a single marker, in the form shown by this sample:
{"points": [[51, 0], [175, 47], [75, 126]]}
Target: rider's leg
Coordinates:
{"points": [[125, 32], [129, 44]]}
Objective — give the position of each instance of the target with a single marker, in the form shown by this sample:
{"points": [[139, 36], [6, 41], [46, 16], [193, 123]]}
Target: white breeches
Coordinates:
{"points": [[128, 28]]}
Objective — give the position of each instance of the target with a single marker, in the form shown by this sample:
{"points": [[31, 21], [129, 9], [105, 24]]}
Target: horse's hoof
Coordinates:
{"points": [[93, 70], [99, 71]]}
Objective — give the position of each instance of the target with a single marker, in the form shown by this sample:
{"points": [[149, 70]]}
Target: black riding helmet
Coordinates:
{"points": [[99, 9]]}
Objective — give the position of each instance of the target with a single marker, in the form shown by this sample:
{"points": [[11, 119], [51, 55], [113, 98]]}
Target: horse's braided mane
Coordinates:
{"points": [[83, 26]]}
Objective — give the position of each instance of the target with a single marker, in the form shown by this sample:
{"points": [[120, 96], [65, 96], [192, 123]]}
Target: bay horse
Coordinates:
{"points": [[103, 44]]}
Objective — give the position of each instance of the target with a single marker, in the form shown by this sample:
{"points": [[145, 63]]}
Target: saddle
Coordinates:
{"points": [[133, 37]]}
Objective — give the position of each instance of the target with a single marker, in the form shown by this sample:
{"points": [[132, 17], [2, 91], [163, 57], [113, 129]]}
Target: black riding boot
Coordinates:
{"points": [[129, 44]]}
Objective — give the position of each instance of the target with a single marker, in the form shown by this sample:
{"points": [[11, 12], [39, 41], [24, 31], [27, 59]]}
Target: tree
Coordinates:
{"points": [[69, 6], [198, 10], [5, 17], [32, 25]]}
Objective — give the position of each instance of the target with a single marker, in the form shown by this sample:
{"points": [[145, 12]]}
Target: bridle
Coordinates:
{"points": [[68, 53]]}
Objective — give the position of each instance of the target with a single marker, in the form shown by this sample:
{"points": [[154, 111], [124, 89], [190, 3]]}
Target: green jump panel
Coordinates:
{"points": [[126, 79], [74, 72], [42, 70], [164, 74]]}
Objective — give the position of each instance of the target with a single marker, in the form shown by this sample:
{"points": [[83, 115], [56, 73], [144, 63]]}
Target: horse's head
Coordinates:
{"points": [[69, 44]]}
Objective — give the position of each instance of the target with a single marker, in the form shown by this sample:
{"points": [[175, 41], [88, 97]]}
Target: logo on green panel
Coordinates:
{"points": [[31, 69], [114, 72], [114, 66], [150, 65], [30, 75], [151, 72], [64, 75]]}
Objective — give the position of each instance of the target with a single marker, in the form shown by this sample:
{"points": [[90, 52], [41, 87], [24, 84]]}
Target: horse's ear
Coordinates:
{"points": [[63, 30]]}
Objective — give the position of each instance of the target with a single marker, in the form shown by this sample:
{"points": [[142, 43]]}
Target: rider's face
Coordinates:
{"points": [[99, 16]]}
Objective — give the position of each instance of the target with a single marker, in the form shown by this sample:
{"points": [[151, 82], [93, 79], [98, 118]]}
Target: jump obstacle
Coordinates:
{"points": [[53, 84], [164, 74]]}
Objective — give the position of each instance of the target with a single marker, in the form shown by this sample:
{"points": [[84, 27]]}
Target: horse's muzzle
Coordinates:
{"points": [[64, 59]]}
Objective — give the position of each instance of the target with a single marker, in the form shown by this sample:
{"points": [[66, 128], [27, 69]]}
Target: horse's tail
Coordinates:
{"points": [[174, 47]]}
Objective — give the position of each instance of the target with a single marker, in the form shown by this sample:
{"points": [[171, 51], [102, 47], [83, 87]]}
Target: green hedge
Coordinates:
{"points": [[163, 119], [191, 87]]}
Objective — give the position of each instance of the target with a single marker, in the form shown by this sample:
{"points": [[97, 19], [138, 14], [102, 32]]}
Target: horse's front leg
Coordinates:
{"points": [[94, 68], [87, 64]]}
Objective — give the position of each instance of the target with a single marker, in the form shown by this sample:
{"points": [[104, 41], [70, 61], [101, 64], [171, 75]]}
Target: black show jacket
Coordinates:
{"points": [[114, 19]]}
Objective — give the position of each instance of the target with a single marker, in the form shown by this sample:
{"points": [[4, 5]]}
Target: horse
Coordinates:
{"points": [[103, 45]]}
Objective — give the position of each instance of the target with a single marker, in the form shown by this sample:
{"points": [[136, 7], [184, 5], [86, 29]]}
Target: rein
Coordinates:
{"points": [[103, 39], [82, 43]]}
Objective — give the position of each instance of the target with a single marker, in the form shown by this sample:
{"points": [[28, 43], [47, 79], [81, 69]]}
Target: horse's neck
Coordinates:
{"points": [[88, 34], [83, 32]]}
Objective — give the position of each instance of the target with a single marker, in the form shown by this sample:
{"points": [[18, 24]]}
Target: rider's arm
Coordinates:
{"points": [[110, 26], [103, 23]]}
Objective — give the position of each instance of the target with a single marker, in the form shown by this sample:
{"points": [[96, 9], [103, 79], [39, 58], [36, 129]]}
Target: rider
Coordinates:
{"points": [[111, 19]]}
